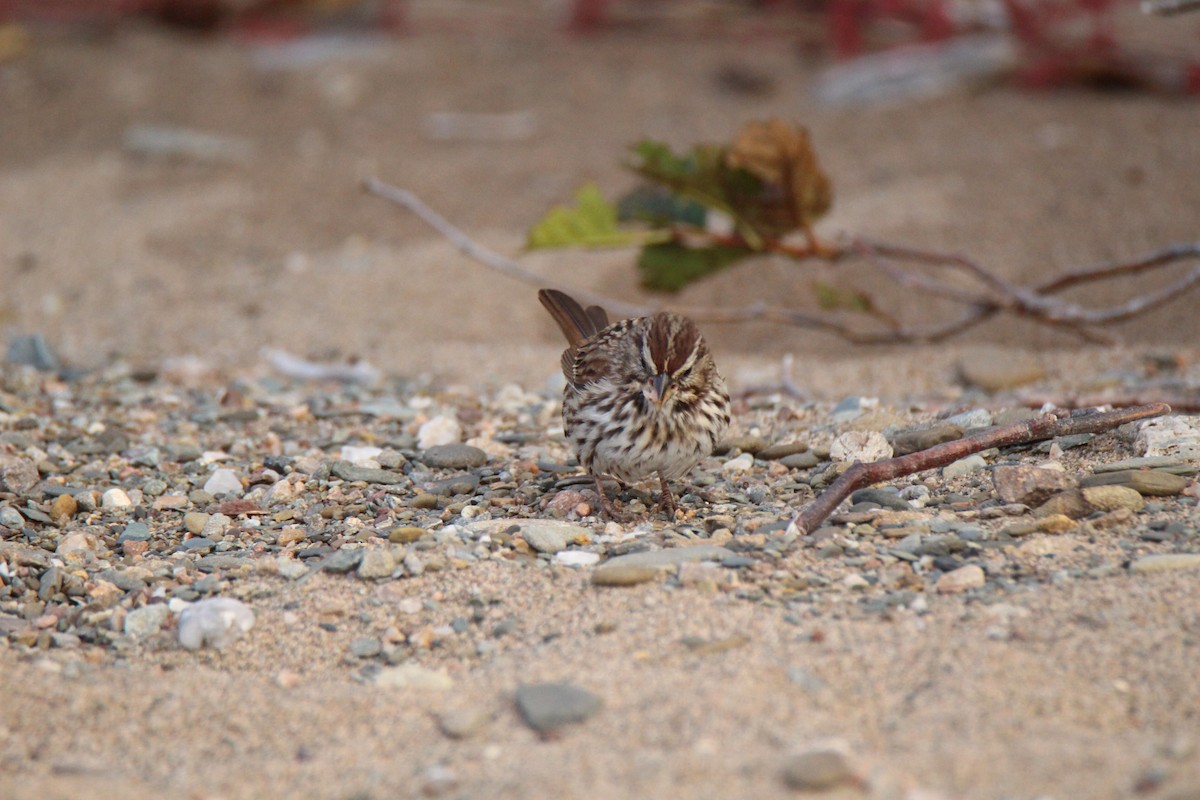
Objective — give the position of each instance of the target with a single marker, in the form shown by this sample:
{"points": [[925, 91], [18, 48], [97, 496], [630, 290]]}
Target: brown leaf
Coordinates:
{"points": [[781, 155]]}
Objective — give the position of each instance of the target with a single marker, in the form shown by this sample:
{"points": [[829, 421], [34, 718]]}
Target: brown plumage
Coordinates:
{"points": [[643, 396]]}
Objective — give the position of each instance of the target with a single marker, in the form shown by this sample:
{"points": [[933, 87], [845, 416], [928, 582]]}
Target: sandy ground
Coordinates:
{"points": [[1089, 696]]}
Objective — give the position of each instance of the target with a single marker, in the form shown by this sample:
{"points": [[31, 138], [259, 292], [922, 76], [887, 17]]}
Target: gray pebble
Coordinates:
{"points": [[342, 560], [134, 532], [147, 620], [350, 472], [366, 647], [546, 707], [454, 456]]}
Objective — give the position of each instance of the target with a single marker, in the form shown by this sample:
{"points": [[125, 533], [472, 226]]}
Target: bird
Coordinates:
{"points": [[643, 396]]}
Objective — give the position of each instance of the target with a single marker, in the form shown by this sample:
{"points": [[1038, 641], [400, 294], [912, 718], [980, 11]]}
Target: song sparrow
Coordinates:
{"points": [[642, 395]]}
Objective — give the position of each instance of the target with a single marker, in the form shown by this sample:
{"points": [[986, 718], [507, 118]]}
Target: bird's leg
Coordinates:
{"points": [[667, 499], [605, 504]]}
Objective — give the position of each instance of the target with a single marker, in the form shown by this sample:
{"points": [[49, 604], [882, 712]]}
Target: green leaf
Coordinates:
{"points": [[702, 176], [660, 208], [833, 298], [591, 222], [670, 266]]}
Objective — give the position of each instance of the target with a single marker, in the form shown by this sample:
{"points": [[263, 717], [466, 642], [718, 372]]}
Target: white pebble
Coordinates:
{"points": [[864, 446], [1177, 436], [964, 466], [223, 481], [215, 622], [439, 430], [576, 558], [115, 499], [361, 456], [742, 463]]}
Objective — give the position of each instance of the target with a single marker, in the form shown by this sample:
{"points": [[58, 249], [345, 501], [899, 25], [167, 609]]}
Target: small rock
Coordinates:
{"points": [[973, 419], [1146, 482], [549, 537], [360, 456], [806, 460], [817, 771], [463, 723], [17, 475], [438, 431], [223, 481], [366, 647], [776, 452], [547, 707], [350, 472], [1111, 498], [1162, 562], [405, 534], [912, 441], [1031, 486], [1069, 504], [454, 456], [63, 508], [742, 463], [76, 542], [967, 577], [147, 620], [11, 518], [413, 676], [964, 466], [995, 369], [881, 497], [134, 532], [215, 622], [194, 522], [747, 444], [1177, 436], [634, 568], [576, 558], [342, 560], [115, 500], [864, 446], [376, 563]]}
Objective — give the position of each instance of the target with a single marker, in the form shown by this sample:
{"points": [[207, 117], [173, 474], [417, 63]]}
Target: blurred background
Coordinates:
{"points": [[181, 179]]}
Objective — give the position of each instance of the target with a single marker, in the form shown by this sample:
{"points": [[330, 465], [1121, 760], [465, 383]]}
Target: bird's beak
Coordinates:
{"points": [[658, 388]]}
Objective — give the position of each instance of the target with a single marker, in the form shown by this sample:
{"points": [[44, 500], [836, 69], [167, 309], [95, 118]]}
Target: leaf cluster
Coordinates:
{"points": [[701, 211]]}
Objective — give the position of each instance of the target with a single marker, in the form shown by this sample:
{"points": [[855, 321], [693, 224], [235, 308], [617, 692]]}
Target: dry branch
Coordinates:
{"points": [[994, 295], [1047, 426]]}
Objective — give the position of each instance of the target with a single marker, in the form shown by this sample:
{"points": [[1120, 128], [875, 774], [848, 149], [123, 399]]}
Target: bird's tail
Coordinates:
{"points": [[577, 323]]}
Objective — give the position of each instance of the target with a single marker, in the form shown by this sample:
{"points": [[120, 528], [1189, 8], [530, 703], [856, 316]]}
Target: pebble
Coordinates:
{"points": [[223, 481], [915, 440], [134, 532], [864, 446], [971, 420], [1175, 436], [967, 577], [806, 460], [343, 560], [1147, 482], [1030, 486], [63, 508], [11, 518], [360, 456], [463, 723], [215, 622], [366, 647], [741, 463], [781, 450], [1162, 562], [818, 771], [964, 466], [115, 499], [353, 473], [454, 456], [1111, 498], [641, 567], [1069, 504], [194, 522], [75, 543], [405, 534], [882, 497], [549, 537], [147, 620], [377, 563], [17, 475], [413, 676], [546, 707], [996, 369], [438, 431]]}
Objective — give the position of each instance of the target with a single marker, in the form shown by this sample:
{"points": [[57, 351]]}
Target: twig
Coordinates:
{"points": [[996, 296], [1037, 429]]}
